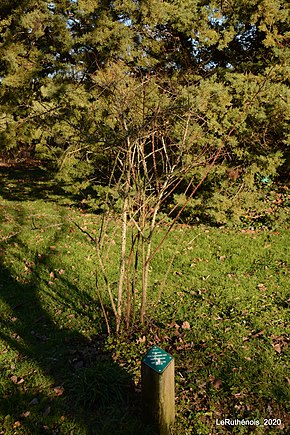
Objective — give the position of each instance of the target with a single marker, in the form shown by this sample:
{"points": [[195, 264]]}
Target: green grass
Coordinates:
{"points": [[220, 307]]}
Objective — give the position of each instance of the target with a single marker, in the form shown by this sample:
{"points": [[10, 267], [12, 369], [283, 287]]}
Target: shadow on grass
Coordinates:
{"points": [[54, 378], [27, 181]]}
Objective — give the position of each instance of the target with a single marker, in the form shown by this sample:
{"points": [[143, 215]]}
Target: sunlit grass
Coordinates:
{"points": [[219, 302]]}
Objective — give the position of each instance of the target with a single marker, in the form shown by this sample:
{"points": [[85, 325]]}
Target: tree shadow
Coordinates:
{"points": [[28, 181], [55, 378]]}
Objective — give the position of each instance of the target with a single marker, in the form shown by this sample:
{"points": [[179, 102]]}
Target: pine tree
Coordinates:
{"points": [[68, 69], [35, 53]]}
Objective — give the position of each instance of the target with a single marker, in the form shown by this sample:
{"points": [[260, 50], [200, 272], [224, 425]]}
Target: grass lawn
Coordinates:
{"points": [[219, 303]]}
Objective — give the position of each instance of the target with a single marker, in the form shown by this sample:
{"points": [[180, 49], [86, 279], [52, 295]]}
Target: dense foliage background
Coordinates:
{"points": [[207, 79]]}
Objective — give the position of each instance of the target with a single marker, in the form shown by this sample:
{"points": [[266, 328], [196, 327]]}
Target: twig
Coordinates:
{"points": [[102, 305], [85, 232], [4, 239]]}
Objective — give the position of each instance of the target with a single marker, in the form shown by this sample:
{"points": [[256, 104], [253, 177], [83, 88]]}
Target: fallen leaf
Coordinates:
{"points": [[217, 384], [185, 325], [258, 334], [278, 337], [269, 409], [25, 414], [238, 395], [277, 347], [262, 287], [14, 379], [58, 391], [185, 346], [16, 424]]}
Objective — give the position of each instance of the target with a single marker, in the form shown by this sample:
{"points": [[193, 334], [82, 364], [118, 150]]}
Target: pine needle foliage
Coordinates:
{"points": [[220, 67]]}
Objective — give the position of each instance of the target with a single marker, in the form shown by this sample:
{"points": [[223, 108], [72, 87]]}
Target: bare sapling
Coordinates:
{"points": [[150, 164]]}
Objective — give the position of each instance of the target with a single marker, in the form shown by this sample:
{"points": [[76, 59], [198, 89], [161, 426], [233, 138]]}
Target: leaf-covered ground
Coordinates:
{"points": [[219, 303]]}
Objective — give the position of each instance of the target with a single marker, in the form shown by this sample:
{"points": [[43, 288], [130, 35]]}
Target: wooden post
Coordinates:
{"points": [[158, 390]]}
